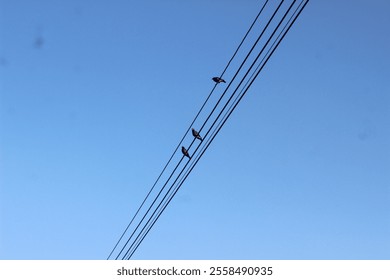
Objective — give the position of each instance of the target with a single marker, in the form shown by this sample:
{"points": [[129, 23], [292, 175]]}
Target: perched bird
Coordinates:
{"points": [[196, 135], [185, 152], [218, 80]]}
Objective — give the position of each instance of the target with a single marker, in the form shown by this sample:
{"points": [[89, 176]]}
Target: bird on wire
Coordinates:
{"points": [[185, 152], [218, 80], [196, 135]]}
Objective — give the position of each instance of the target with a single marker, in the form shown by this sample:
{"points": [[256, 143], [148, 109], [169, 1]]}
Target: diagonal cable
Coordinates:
{"points": [[231, 109]]}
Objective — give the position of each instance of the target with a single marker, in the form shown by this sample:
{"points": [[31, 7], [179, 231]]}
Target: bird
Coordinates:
{"points": [[196, 135], [218, 80], [185, 152]]}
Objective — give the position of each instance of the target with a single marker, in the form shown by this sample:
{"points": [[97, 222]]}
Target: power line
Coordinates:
{"points": [[258, 69], [190, 126], [253, 77], [237, 72]]}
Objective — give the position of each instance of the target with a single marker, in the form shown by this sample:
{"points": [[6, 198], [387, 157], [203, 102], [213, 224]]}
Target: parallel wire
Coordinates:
{"points": [[227, 114], [237, 72], [246, 35], [242, 64], [270, 51], [190, 126], [154, 201]]}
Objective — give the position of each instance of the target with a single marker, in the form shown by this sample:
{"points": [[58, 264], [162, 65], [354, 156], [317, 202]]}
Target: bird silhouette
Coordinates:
{"points": [[185, 152], [196, 135], [218, 80]]}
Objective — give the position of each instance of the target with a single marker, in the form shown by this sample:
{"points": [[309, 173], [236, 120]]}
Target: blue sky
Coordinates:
{"points": [[95, 95]]}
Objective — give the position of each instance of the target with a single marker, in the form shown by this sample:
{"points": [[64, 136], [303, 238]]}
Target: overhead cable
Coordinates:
{"points": [[226, 116], [207, 119], [190, 126]]}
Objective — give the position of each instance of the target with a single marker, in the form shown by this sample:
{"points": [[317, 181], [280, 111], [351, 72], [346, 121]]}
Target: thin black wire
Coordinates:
{"points": [[218, 115], [242, 64], [143, 229], [209, 143], [243, 39], [257, 57], [227, 115], [190, 126], [251, 50], [261, 64], [162, 201], [237, 72], [128, 240]]}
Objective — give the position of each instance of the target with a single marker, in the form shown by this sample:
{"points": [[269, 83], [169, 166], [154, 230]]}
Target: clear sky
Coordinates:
{"points": [[95, 95]]}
